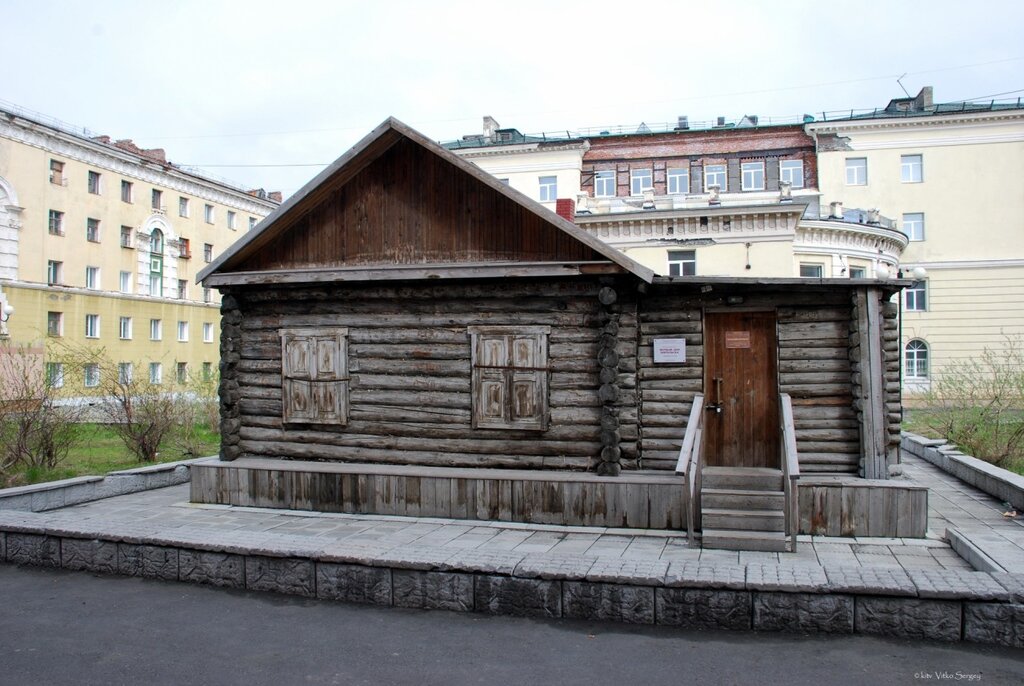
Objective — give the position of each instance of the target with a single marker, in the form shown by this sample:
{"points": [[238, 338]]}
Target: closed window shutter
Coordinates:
{"points": [[510, 378], [314, 375]]}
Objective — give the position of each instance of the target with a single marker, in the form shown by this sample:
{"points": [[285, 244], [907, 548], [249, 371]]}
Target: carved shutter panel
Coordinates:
{"points": [[510, 376], [314, 375]]}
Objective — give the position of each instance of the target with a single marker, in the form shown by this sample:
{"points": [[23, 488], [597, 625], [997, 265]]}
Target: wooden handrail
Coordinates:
{"points": [[790, 467], [688, 464]]}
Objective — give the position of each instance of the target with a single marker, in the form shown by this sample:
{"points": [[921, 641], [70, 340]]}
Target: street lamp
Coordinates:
{"points": [[5, 313]]}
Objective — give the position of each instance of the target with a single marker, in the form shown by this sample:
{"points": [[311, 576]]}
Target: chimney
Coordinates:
{"points": [[753, 119], [923, 101], [566, 208], [491, 128], [684, 123], [837, 209], [275, 196], [721, 121]]}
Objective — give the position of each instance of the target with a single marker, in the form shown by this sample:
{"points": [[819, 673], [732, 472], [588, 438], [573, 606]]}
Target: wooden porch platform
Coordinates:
{"points": [[643, 500]]}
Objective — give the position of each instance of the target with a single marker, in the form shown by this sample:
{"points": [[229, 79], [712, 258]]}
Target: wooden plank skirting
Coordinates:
{"points": [[641, 500], [850, 506]]}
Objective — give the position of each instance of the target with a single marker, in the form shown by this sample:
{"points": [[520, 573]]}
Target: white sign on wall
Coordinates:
{"points": [[669, 350]]}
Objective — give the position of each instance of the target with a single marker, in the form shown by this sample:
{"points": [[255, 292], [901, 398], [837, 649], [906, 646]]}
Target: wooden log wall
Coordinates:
{"points": [[410, 376], [893, 395]]}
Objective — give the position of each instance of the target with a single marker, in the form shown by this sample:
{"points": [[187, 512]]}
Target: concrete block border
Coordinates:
{"points": [[941, 606], [997, 482]]}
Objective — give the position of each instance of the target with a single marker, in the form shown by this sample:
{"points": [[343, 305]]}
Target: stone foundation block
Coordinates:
{"points": [[212, 568], [33, 549], [698, 608], [433, 590], [614, 602], [503, 595], [999, 623], [937, 620], [280, 575], [93, 556], [353, 583], [150, 561], [805, 612]]}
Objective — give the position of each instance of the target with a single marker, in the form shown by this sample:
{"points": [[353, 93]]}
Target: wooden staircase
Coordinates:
{"points": [[743, 508]]}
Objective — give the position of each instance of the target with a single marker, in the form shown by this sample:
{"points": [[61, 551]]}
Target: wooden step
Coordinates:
{"points": [[743, 520], [740, 499], [743, 478], [727, 539]]}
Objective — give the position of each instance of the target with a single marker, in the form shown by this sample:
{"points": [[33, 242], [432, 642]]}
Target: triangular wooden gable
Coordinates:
{"points": [[399, 206]]}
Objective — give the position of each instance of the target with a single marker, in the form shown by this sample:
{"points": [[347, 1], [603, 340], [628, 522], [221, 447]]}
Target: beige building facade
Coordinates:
{"points": [[100, 242]]}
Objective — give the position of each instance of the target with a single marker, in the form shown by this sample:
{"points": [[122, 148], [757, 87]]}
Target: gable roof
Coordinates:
{"points": [[236, 264]]}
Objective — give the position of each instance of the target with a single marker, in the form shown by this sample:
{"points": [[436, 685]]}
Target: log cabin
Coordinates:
{"points": [[408, 335]]}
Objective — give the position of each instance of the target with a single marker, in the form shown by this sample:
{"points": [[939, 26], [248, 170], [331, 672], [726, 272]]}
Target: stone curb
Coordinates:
{"points": [[941, 605], [963, 547], [53, 495], [997, 482]]}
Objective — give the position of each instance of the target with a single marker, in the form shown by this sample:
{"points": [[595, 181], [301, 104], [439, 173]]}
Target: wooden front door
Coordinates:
{"points": [[741, 391]]}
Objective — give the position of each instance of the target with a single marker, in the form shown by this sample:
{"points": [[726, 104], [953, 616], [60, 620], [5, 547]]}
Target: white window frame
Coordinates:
{"points": [[55, 374], [97, 188], [127, 192], [91, 375], [915, 297], [912, 224], [815, 266], [641, 180], [125, 328], [92, 278], [183, 332], [183, 206], [232, 224], [181, 372], [125, 372], [92, 326], [253, 221], [54, 273], [793, 172], [156, 373], [682, 262], [912, 168], [58, 330], [125, 283], [156, 329], [856, 171], [92, 230], [672, 180], [207, 252], [604, 183], [720, 170], [55, 223], [207, 332], [916, 356], [208, 214], [752, 176], [548, 188]]}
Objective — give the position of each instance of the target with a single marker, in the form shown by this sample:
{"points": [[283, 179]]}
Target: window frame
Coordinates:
{"points": [[182, 331], [126, 236], [92, 278], [124, 328], [721, 170], [54, 273], [156, 329], [156, 373], [756, 170], [507, 376], [127, 192], [604, 181], [55, 374], [916, 229], [92, 230], [157, 200], [787, 171], [209, 216], [637, 179], [915, 297], [93, 182], [672, 176], [912, 168], [207, 332], [183, 206], [92, 326], [684, 262], [817, 266], [232, 220], [124, 281], [125, 373], [913, 363], [859, 167], [91, 375], [315, 375], [181, 373], [54, 324], [548, 188], [55, 223], [57, 172]]}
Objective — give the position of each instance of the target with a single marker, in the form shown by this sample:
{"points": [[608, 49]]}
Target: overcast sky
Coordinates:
{"points": [[263, 93]]}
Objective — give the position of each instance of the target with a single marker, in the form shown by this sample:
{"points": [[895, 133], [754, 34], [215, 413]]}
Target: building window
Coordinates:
{"points": [[208, 252], [811, 270], [54, 323], [858, 273], [56, 223], [184, 248], [156, 263], [911, 169], [604, 184], [94, 182], [678, 181], [915, 298], [314, 373], [252, 223], [182, 289], [856, 171], [682, 262], [207, 295], [126, 191], [792, 171], [124, 373], [57, 172], [156, 329], [714, 175], [510, 377], [182, 207], [207, 332], [156, 373], [640, 180], [125, 282], [208, 214], [182, 332], [913, 225], [91, 372], [207, 371], [752, 176], [181, 371], [158, 200], [548, 188], [92, 278], [92, 230], [915, 360], [55, 374], [126, 236], [231, 220], [92, 326], [125, 328], [54, 273]]}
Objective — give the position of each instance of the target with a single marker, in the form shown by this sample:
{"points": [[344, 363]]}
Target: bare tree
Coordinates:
{"points": [[142, 412]]}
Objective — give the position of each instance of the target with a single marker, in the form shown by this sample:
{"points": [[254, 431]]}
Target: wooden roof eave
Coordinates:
{"points": [[374, 144]]}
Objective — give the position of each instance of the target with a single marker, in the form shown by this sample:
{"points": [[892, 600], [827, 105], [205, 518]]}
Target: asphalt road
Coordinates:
{"points": [[60, 627]]}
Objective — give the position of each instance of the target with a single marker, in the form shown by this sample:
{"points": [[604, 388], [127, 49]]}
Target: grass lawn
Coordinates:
{"points": [[98, 450], [916, 421]]}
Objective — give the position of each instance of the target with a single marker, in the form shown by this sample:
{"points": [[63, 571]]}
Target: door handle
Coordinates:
{"points": [[716, 405]]}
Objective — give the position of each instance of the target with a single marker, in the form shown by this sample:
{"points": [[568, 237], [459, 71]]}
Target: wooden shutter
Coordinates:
{"points": [[510, 377], [314, 375]]}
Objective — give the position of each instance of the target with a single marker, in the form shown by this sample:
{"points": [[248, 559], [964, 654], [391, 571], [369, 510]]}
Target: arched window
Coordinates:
{"points": [[915, 358], [156, 263]]}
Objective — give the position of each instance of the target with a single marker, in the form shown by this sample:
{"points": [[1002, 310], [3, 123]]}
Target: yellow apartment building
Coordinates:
{"points": [[100, 242]]}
